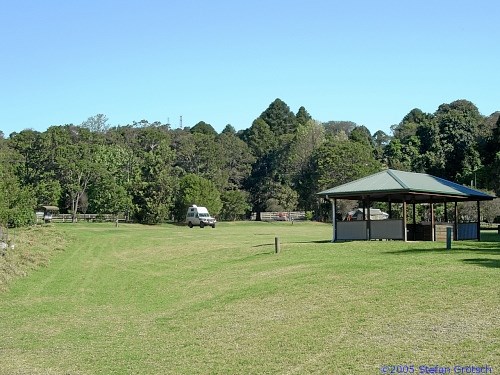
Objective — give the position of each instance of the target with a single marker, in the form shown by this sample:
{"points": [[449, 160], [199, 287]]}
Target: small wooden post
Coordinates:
{"points": [[276, 245]]}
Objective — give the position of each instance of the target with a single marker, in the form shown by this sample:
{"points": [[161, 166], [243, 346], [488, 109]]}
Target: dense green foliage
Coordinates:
{"points": [[456, 142], [16, 201], [196, 190], [278, 163]]}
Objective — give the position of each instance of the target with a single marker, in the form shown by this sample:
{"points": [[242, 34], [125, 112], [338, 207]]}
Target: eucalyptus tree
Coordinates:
{"points": [[335, 128], [223, 159], [298, 165], [415, 145], [399, 155], [153, 187], [236, 159], [110, 192], [75, 163], [202, 154], [492, 143], [27, 144], [97, 123], [380, 140], [336, 163], [430, 157], [490, 173]]}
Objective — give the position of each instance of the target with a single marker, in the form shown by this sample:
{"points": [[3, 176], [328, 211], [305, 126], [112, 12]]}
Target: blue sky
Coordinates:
{"points": [[224, 62]]}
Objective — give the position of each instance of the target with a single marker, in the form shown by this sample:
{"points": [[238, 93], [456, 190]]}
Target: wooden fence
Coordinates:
{"points": [[280, 216], [67, 218]]}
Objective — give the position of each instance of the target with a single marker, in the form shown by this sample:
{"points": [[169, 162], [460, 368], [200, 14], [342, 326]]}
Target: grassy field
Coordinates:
{"points": [[173, 300]]}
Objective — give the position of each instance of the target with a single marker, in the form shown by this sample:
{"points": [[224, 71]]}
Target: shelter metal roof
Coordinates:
{"points": [[398, 186]]}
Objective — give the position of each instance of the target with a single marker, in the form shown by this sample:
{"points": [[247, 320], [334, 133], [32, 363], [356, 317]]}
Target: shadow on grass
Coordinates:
{"points": [[457, 246], [264, 244], [292, 242], [490, 236], [318, 241], [261, 254], [484, 262], [467, 247]]}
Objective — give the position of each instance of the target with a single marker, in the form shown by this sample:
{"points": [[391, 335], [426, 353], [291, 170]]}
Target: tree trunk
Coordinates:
{"points": [[74, 207], [257, 216]]}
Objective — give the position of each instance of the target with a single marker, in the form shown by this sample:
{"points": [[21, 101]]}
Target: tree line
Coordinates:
{"points": [[152, 172]]}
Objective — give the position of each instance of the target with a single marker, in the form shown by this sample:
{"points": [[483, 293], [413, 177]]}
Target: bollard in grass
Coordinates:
{"points": [[448, 238], [276, 245]]}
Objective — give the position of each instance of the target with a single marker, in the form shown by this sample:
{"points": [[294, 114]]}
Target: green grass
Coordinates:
{"points": [[173, 300]]}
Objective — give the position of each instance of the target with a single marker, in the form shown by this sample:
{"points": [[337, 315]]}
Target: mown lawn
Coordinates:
{"points": [[173, 300]]}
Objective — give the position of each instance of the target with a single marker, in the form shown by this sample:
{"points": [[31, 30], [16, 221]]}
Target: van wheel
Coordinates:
{"points": [[202, 224], [190, 224], [213, 225]]}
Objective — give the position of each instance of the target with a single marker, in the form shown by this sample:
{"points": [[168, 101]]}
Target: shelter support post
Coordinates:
{"points": [[334, 220], [478, 221], [390, 209], [369, 223], [433, 223], [405, 235], [414, 221], [456, 222], [445, 212]]}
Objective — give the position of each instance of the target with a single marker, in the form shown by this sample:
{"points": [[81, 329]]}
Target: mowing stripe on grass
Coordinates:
{"points": [[169, 299]]}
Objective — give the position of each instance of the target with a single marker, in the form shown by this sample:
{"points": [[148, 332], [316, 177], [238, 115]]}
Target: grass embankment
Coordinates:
{"points": [[168, 299], [33, 248]]}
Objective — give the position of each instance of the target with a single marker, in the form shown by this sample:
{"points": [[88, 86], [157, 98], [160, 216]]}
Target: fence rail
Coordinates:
{"points": [[280, 216], [67, 218]]}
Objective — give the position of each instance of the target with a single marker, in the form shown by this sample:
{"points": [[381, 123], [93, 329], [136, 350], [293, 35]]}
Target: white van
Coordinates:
{"points": [[199, 216]]}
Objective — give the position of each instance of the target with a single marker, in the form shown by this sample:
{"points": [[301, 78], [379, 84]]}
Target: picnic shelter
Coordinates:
{"points": [[406, 189]]}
